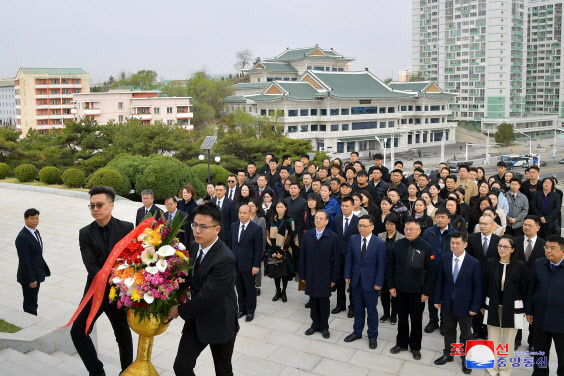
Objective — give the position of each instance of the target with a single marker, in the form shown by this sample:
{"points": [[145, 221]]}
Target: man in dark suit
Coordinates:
{"points": [[482, 246], [296, 208], [147, 197], [345, 225], [319, 269], [544, 305], [228, 210], [365, 269], [232, 187], [96, 243], [247, 246], [458, 294], [211, 314], [32, 268], [171, 212], [262, 187], [529, 248]]}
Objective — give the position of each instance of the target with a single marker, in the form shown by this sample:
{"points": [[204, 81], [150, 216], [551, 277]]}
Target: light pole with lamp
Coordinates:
{"points": [[208, 143], [383, 145], [554, 144], [530, 147]]}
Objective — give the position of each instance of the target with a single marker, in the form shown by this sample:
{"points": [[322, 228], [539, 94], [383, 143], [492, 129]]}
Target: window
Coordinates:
{"points": [[382, 124], [76, 91], [410, 108], [323, 112], [53, 101], [75, 81], [390, 124], [382, 110], [157, 110], [54, 91], [292, 112], [417, 138], [403, 108], [314, 127], [365, 125], [345, 111], [404, 121], [120, 105], [53, 81], [303, 128], [364, 110], [410, 121], [435, 108], [66, 91], [345, 127], [340, 147], [350, 146], [65, 81], [435, 120], [417, 108], [409, 139], [142, 110], [169, 110], [292, 128], [391, 110], [334, 127], [334, 111], [322, 127], [425, 137], [426, 108], [262, 112], [313, 112], [170, 122], [180, 109], [302, 113], [120, 118]]}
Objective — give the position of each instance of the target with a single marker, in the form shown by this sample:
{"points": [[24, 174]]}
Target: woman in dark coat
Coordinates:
{"points": [[505, 291], [187, 204], [546, 205], [456, 221], [244, 195], [420, 214], [313, 206]]}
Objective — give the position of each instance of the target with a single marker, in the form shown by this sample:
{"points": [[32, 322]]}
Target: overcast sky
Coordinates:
{"points": [[178, 37]]}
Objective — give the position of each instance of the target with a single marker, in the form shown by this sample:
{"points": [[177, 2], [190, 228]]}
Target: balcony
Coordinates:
{"points": [[142, 116], [185, 115], [59, 86], [92, 112], [54, 106]]}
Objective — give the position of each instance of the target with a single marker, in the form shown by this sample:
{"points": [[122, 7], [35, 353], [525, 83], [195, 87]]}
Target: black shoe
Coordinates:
{"points": [[465, 370], [240, 314], [372, 344], [441, 331], [475, 336], [307, 305], [250, 317], [431, 326], [443, 360], [337, 310], [384, 318], [325, 333], [310, 331], [284, 297], [416, 354], [531, 348], [517, 344], [352, 337], [393, 320], [276, 296], [258, 292], [396, 349], [350, 314]]}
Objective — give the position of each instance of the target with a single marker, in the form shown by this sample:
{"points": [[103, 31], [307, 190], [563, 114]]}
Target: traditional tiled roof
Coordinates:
{"points": [[234, 99], [53, 71], [299, 53], [251, 85], [275, 66], [427, 88]]}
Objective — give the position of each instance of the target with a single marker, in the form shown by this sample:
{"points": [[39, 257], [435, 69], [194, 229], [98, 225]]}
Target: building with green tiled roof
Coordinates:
{"points": [[344, 111]]}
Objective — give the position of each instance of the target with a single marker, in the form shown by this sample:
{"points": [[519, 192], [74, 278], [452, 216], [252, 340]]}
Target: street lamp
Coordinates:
{"points": [[530, 146], [208, 143], [383, 145], [554, 144]]}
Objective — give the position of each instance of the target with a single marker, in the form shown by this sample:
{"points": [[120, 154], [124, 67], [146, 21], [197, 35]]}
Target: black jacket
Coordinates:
{"points": [[476, 250], [157, 213], [248, 248], [184, 236], [411, 267], [544, 299], [552, 210], [31, 264], [230, 215], [319, 262], [94, 254], [213, 305], [537, 253], [296, 210]]}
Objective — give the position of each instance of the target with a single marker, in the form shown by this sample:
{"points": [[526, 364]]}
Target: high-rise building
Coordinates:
{"points": [[404, 75], [43, 96], [7, 103]]}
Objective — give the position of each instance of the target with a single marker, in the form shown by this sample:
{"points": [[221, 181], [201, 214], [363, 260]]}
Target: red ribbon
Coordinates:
{"points": [[98, 286]]}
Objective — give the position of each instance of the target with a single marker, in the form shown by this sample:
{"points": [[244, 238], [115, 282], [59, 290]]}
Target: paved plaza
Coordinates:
{"points": [[273, 344]]}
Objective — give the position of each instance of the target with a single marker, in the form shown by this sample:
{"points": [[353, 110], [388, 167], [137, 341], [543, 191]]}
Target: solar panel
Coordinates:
{"points": [[208, 142]]}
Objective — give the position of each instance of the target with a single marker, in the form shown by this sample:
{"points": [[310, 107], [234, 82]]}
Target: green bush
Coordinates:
{"points": [[73, 178], [106, 177], [217, 173], [49, 175], [129, 166], [26, 172], [165, 176], [4, 170]]}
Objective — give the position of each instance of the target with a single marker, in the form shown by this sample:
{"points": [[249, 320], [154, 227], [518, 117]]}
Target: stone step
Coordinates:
{"points": [[70, 363], [112, 365], [40, 356], [28, 365]]}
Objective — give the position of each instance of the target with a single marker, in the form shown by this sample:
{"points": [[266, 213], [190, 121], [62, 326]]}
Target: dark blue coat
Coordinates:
{"points": [[544, 300], [31, 265], [372, 269], [247, 249], [351, 230], [319, 262], [465, 294]]}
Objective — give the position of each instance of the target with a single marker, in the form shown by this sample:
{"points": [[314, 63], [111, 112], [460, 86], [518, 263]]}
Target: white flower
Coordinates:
{"points": [[128, 282], [161, 265], [152, 269], [141, 237], [166, 251], [181, 247], [116, 280], [148, 298], [147, 245], [122, 266]]}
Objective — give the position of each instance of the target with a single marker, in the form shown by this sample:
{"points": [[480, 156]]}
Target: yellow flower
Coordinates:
{"points": [[113, 293], [135, 296], [181, 255]]}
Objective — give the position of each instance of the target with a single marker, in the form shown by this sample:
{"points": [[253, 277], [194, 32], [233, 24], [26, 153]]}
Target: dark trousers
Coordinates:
{"points": [[83, 343], [478, 326], [190, 348], [410, 309], [342, 294], [388, 301], [319, 313], [365, 303], [449, 322], [30, 298], [545, 232], [433, 311], [543, 342], [514, 231], [246, 292]]}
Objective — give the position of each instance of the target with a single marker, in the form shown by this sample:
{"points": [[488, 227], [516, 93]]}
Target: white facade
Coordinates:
{"points": [[119, 105], [7, 102]]}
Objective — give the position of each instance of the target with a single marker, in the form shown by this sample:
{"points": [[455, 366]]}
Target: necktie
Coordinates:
{"points": [[363, 250], [38, 238], [485, 246], [241, 233], [146, 211], [455, 271], [529, 249], [231, 193], [198, 259], [346, 225], [552, 266], [219, 203], [317, 235]]}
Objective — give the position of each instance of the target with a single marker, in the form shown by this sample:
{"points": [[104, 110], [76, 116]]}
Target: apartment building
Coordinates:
{"points": [[7, 103]]}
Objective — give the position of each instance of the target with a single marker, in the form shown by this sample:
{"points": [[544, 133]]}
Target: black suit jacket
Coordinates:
{"points": [[474, 247], [538, 251], [213, 306], [94, 254], [229, 211], [157, 213], [345, 237], [553, 207], [247, 249], [184, 237], [31, 265]]}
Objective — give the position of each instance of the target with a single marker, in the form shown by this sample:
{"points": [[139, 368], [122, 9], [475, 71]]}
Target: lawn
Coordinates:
{"points": [[40, 184], [8, 328]]}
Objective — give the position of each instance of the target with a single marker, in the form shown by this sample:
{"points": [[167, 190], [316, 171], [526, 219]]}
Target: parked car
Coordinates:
{"points": [[561, 161]]}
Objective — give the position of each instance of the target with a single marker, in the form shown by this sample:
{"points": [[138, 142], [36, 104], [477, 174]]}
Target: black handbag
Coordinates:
{"points": [[277, 268]]}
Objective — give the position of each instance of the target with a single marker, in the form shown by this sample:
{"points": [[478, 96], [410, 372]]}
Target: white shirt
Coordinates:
{"points": [[231, 193], [219, 202], [367, 240], [205, 250], [31, 230], [489, 237], [460, 261], [241, 228], [350, 217], [526, 242], [171, 215]]}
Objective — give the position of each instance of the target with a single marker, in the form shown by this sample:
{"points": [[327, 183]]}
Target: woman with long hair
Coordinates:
{"points": [[257, 217], [505, 292], [266, 205], [379, 220], [286, 192], [420, 214], [493, 198], [456, 221], [358, 210], [481, 177], [483, 190], [436, 200], [431, 209], [367, 203], [464, 207], [187, 204], [313, 206], [546, 205], [409, 202]]}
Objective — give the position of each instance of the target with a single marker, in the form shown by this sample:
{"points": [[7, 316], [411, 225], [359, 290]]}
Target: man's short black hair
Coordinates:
{"points": [[394, 190], [397, 170], [412, 220], [424, 176], [325, 212], [398, 162], [459, 235], [451, 176], [350, 168], [307, 173], [501, 164], [261, 175], [348, 199], [293, 182], [379, 156], [534, 167], [285, 168], [393, 218], [304, 156], [515, 179], [336, 179], [273, 159], [286, 156], [220, 184], [376, 168], [31, 213], [100, 189], [355, 153], [210, 209], [251, 163], [556, 239], [465, 166], [444, 211], [243, 171], [418, 163], [419, 169], [169, 198], [316, 180], [362, 173], [323, 168], [534, 218], [267, 154], [367, 216]]}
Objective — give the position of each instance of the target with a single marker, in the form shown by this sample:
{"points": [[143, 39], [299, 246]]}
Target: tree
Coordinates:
{"points": [[242, 59], [207, 97], [388, 80], [417, 76], [142, 80], [505, 134]]}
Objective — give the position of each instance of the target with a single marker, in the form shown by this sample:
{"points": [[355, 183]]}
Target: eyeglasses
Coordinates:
{"points": [[98, 205], [196, 226], [231, 181], [503, 247]]}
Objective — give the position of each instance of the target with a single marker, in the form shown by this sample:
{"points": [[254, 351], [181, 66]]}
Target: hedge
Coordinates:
{"points": [[129, 166], [50, 175], [26, 172], [73, 178], [4, 170], [106, 177], [217, 173]]}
